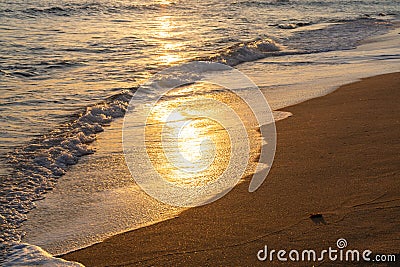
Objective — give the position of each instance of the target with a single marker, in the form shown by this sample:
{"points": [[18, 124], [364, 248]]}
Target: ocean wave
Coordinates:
{"points": [[38, 165], [292, 25], [38, 68], [245, 52]]}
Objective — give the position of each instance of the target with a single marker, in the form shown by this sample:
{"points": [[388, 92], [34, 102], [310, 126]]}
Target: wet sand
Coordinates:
{"points": [[337, 156]]}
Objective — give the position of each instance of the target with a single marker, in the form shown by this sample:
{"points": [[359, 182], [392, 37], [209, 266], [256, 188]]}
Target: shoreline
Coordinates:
{"points": [[235, 227]]}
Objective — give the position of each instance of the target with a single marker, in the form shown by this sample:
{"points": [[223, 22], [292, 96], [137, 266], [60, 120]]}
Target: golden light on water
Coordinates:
{"points": [[167, 30], [165, 26], [164, 2], [185, 148], [186, 151], [193, 132], [189, 141], [170, 59]]}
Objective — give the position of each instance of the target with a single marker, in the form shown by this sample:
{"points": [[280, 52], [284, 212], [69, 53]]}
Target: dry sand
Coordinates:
{"points": [[338, 156]]}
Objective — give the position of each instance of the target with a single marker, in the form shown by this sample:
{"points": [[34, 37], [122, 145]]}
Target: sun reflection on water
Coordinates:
{"points": [[167, 31], [186, 148], [164, 2], [189, 142]]}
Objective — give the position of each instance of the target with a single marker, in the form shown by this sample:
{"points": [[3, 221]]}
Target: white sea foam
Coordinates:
{"points": [[38, 166], [24, 254], [245, 52]]}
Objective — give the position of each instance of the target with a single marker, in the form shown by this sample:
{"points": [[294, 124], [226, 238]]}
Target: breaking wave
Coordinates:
{"points": [[245, 52], [38, 165]]}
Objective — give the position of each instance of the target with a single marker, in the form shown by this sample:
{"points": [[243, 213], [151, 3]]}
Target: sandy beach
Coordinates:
{"points": [[337, 159]]}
